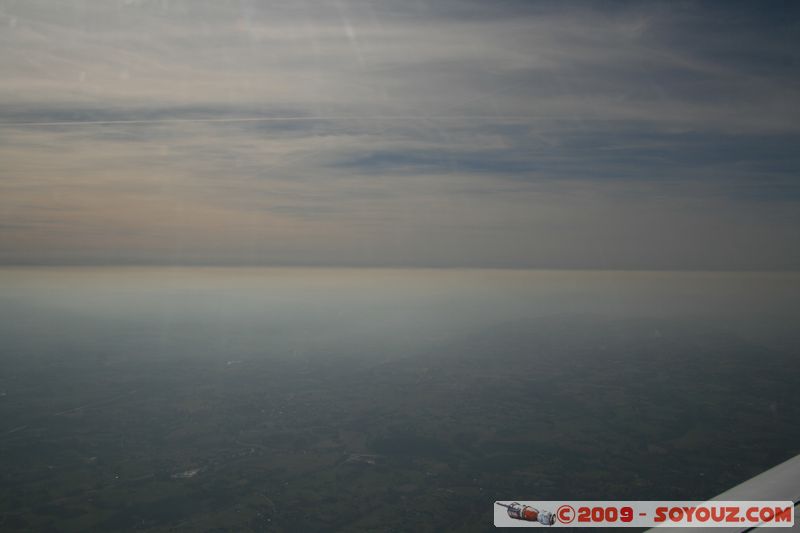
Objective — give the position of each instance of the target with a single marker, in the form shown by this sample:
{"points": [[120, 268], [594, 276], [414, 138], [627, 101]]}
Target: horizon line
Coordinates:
{"points": [[395, 267]]}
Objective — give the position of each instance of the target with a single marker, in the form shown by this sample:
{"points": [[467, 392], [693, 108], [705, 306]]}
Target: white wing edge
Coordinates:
{"points": [[781, 482]]}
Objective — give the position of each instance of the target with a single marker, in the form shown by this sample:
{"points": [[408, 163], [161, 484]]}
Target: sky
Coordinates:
{"points": [[514, 134]]}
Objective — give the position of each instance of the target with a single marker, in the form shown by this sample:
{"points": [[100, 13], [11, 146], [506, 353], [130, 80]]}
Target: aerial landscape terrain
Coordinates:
{"points": [[376, 400]]}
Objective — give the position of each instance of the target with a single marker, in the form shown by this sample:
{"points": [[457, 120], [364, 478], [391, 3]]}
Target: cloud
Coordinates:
{"points": [[446, 133]]}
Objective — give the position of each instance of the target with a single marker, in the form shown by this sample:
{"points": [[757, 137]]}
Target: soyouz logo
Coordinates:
{"points": [[643, 513], [518, 511]]}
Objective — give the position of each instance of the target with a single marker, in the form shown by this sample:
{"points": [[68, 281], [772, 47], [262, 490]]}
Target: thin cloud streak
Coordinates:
{"points": [[304, 118]]}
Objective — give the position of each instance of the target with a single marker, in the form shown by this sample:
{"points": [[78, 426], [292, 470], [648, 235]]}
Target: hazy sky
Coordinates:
{"points": [[499, 133]]}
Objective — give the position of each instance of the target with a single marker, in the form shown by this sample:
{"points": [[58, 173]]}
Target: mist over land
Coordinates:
{"points": [[162, 398]]}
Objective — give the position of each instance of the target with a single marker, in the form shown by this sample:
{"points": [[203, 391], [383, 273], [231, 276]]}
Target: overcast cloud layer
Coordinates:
{"points": [[514, 134]]}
